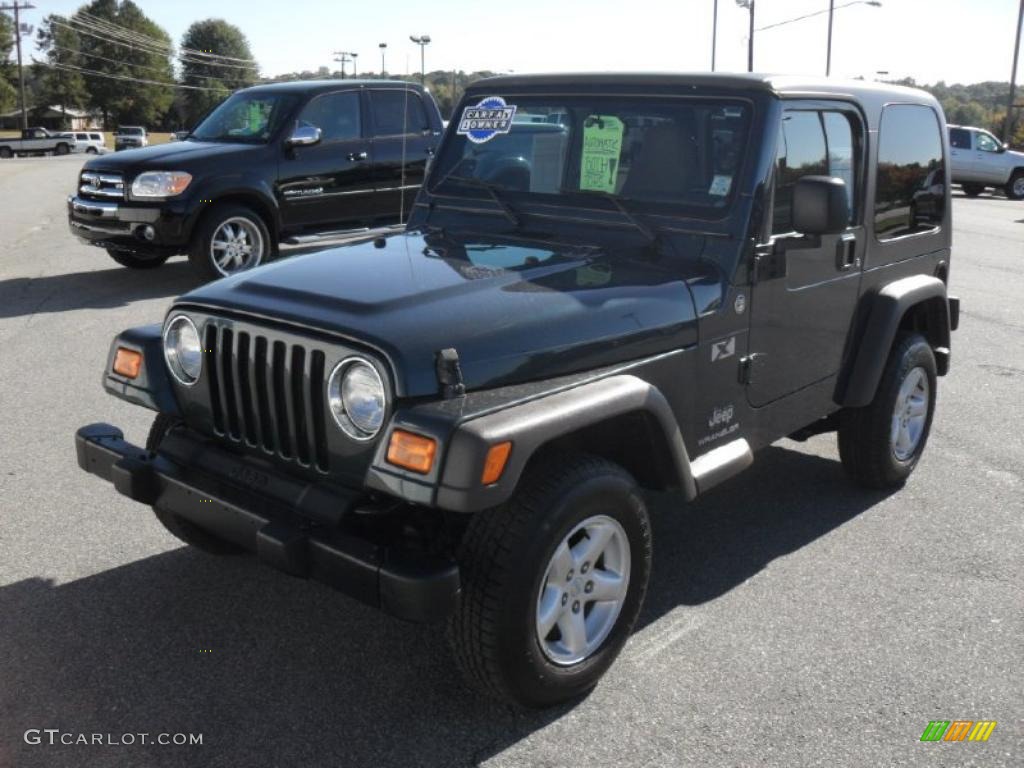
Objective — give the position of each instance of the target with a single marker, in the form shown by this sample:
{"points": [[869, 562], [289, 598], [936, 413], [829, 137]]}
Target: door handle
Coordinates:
{"points": [[357, 157], [846, 252], [430, 151]]}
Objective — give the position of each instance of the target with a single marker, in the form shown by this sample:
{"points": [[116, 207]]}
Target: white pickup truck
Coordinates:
{"points": [[980, 160], [37, 141]]}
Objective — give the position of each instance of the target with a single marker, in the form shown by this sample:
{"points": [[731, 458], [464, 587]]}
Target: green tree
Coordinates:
{"points": [[61, 85], [8, 92], [218, 38]]}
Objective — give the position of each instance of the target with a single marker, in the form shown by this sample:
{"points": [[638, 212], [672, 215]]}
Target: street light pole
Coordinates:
{"points": [[714, 34], [383, 47], [422, 42], [1013, 77], [355, 64], [828, 55], [16, 7]]}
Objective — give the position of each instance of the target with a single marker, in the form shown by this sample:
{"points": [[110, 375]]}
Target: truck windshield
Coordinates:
{"points": [[250, 118], [673, 153], [130, 131]]}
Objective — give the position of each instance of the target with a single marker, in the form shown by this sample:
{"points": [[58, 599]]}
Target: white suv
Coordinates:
{"points": [[90, 142], [980, 160]]}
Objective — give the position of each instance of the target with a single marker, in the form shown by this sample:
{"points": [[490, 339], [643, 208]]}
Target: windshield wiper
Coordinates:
{"points": [[491, 189], [616, 201]]}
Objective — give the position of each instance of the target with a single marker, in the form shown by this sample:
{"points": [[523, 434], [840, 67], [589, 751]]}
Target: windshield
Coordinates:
{"points": [[246, 117], [674, 152], [130, 131]]}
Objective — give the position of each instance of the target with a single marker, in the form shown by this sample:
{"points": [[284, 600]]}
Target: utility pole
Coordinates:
{"points": [[343, 58], [1013, 77], [17, 7], [422, 42], [714, 34]]}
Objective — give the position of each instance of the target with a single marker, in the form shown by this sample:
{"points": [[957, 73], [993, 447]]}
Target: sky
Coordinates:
{"points": [[929, 40]]}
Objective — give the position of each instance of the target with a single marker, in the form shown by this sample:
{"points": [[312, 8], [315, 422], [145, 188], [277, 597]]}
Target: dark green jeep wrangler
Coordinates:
{"points": [[608, 283]]}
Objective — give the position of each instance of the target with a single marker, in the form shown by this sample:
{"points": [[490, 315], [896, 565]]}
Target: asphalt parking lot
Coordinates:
{"points": [[792, 619]]}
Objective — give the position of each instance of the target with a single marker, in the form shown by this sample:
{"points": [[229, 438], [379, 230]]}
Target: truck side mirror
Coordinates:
{"points": [[820, 206], [304, 136]]}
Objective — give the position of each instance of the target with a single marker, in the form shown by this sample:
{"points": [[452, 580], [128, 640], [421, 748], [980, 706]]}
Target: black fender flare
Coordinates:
{"points": [[888, 307], [532, 424], [152, 388]]}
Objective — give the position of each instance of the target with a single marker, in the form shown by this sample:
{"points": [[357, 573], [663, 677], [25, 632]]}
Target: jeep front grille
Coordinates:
{"points": [[268, 394], [102, 186]]}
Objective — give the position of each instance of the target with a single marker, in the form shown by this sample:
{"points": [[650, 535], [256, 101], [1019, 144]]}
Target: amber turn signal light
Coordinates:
{"points": [[412, 452], [494, 465], [127, 362]]}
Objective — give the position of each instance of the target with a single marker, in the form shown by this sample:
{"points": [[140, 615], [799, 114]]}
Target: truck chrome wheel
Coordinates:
{"points": [[237, 244], [910, 414], [583, 590]]}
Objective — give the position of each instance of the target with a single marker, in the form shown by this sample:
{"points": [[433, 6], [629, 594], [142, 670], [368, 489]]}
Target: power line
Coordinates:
{"points": [[101, 58], [94, 73]]}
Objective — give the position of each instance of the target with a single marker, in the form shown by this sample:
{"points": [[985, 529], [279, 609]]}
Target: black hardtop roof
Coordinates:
{"points": [[776, 85], [319, 86]]}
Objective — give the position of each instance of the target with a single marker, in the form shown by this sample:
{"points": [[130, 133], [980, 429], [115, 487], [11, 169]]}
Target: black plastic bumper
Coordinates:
{"points": [[116, 224], [191, 479]]}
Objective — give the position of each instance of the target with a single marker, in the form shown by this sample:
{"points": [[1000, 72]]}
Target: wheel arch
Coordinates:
{"points": [[621, 418], [265, 209], [918, 303]]}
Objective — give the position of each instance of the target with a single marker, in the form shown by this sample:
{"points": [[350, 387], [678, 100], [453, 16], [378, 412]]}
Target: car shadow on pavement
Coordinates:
{"points": [[95, 289], [276, 671]]}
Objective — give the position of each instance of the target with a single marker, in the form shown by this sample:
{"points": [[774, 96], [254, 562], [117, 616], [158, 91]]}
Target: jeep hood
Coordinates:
{"points": [[514, 310]]}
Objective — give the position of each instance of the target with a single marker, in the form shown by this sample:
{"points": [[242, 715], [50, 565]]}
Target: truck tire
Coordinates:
{"points": [[881, 443], [184, 529], [61, 149], [526, 568], [230, 238], [130, 260], [5, 153], [972, 190], [1015, 187]]}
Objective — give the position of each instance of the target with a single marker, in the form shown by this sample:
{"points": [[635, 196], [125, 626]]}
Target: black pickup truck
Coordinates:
{"points": [[281, 162], [609, 283]]}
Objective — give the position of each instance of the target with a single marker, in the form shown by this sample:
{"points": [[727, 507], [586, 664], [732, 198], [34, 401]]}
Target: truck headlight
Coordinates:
{"points": [[183, 350], [160, 183], [357, 398]]}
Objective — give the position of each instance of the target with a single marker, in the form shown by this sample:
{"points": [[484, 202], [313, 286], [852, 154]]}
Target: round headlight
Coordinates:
{"points": [[356, 395], [183, 350]]}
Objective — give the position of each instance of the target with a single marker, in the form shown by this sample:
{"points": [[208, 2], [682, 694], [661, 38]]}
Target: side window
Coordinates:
{"points": [[910, 195], [986, 143], [394, 109], [95, 137], [335, 114], [840, 148], [802, 152], [959, 138]]}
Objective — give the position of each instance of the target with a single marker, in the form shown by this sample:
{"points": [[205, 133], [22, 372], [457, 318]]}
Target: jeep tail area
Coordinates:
{"points": [[608, 283]]}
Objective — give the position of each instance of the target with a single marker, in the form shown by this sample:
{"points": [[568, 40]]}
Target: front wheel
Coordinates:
{"points": [[183, 529], [972, 190], [130, 260], [881, 443], [1015, 189], [552, 582], [62, 149], [230, 238]]}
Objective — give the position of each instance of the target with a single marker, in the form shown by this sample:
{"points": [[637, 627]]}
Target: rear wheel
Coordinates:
{"points": [[130, 260], [972, 190], [184, 529], [881, 443], [230, 238], [552, 582], [1015, 189]]}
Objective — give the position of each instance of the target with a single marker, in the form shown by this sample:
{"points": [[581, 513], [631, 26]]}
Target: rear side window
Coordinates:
{"points": [[394, 109], [959, 138], [335, 114], [910, 195], [95, 137], [812, 143]]}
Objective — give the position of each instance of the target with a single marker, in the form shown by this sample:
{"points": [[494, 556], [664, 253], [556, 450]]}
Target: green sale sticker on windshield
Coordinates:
{"points": [[602, 147]]}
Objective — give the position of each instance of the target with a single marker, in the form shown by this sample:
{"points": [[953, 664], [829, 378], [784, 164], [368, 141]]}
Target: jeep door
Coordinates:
{"points": [[989, 159], [403, 142], [800, 314], [328, 184]]}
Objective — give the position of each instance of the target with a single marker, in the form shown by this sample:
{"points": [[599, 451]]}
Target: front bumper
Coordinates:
{"points": [[145, 230], [291, 525]]}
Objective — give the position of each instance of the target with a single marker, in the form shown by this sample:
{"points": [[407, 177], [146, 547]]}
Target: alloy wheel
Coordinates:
{"points": [[237, 244]]}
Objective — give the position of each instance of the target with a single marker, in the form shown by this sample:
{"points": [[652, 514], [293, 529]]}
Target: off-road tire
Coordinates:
{"points": [[184, 529], [865, 443], [130, 260], [1015, 182], [972, 190], [503, 558], [199, 249]]}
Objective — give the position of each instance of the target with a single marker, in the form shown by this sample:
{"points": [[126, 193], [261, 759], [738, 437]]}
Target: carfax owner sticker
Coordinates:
{"points": [[486, 120]]}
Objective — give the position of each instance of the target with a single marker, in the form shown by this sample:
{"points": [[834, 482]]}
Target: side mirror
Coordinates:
{"points": [[1004, 147], [820, 206], [304, 136]]}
